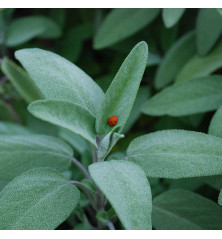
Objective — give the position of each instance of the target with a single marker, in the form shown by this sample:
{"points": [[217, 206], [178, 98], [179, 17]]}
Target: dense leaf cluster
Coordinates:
{"points": [[64, 73]]}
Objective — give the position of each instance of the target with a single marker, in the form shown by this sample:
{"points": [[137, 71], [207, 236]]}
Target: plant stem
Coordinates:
{"points": [[86, 191], [110, 225], [95, 159], [81, 167]]}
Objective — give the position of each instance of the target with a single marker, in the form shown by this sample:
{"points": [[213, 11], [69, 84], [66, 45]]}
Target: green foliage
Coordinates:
{"points": [[208, 28], [59, 79], [215, 127], [121, 94], [127, 189], [76, 141], [8, 128], [49, 200], [129, 176], [199, 66], [186, 98], [122, 23], [184, 210], [19, 153], [27, 28], [108, 142], [182, 50], [172, 15], [20, 80], [67, 115], [177, 154]]}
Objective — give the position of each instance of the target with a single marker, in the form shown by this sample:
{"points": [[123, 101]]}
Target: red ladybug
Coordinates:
{"points": [[112, 120]]}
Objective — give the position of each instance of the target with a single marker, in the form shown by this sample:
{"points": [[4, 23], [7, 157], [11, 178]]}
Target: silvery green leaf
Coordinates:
{"points": [[8, 128], [40, 199], [121, 94], [127, 189], [26, 28], [199, 66], [59, 79], [21, 81], [172, 15], [177, 154], [76, 141], [107, 143], [122, 23], [185, 210], [19, 153], [142, 96], [186, 98], [208, 29], [68, 115], [175, 58]]}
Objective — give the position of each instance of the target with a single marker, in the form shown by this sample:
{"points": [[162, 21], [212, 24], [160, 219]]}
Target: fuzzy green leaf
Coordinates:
{"points": [[175, 59], [76, 141], [215, 127], [120, 96], [127, 189], [208, 29], [122, 23], [172, 15], [184, 210], [12, 128], [177, 154], [190, 97], [67, 115], [20, 153], [21, 81], [40, 199], [142, 96], [27, 28], [107, 143], [199, 66], [59, 79]]}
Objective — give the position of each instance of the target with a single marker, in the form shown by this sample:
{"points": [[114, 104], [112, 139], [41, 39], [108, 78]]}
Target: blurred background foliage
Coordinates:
{"points": [[183, 43]]}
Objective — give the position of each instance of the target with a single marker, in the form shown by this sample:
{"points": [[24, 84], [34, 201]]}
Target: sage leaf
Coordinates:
{"points": [[213, 181], [185, 210], [27, 28], [40, 199], [78, 35], [21, 81], [215, 127], [122, 23], [127, 189], [107, 143], [208, 29], [153, 60], [186, 98], [177, 154], [142, 96], [76, 141], [59, 79], [172, 15], [68, 115], [199, 66], [8, 128], [121, 94], [20, 153], [182, 51]]}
